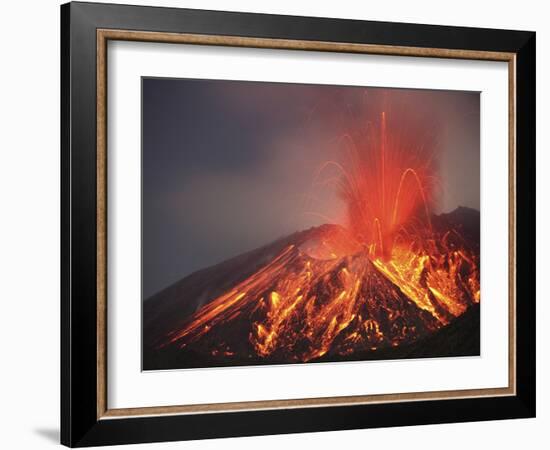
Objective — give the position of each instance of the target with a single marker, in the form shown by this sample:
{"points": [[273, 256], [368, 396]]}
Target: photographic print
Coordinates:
{"points": [[291, 223]]}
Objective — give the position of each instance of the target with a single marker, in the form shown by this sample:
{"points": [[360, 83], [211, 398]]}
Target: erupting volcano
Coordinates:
{"points": [[392, 280]]}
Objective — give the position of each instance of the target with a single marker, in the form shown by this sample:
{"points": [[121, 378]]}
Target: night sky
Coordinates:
{"points": [[228, 166]]}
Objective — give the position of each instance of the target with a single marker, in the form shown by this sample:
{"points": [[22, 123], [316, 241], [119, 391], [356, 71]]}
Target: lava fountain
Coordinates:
{"points": [[387, 179]]}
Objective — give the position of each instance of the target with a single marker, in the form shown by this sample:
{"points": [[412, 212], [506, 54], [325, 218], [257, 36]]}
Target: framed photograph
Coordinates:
{"points": [[276, 224]]}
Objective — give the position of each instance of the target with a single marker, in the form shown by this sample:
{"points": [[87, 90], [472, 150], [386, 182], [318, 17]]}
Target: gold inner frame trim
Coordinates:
{"points": [[103, 36]]}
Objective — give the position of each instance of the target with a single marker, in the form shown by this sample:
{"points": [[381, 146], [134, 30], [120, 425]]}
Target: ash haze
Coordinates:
{"points": [[229, 166]]}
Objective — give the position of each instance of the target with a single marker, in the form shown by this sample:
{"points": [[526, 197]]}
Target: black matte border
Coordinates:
{"points": [[79, 425]]}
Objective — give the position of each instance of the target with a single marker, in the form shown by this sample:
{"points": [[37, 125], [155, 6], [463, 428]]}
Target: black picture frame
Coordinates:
{"points": [[80, 425]]}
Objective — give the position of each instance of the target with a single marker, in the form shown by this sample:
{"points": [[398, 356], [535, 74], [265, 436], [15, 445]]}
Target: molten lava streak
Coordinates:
{"points": [[390, 277]]}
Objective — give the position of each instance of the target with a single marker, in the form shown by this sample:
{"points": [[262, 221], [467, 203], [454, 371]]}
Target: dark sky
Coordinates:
{"points": [[228, 166]]}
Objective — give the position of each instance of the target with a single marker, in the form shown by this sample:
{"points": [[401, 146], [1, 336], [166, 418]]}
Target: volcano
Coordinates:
{"points": [[318, 296]]}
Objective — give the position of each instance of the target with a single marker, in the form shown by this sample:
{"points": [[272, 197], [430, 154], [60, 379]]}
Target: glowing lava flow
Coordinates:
{"points": [[298, 308], [301, 308], [445, 284]]}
